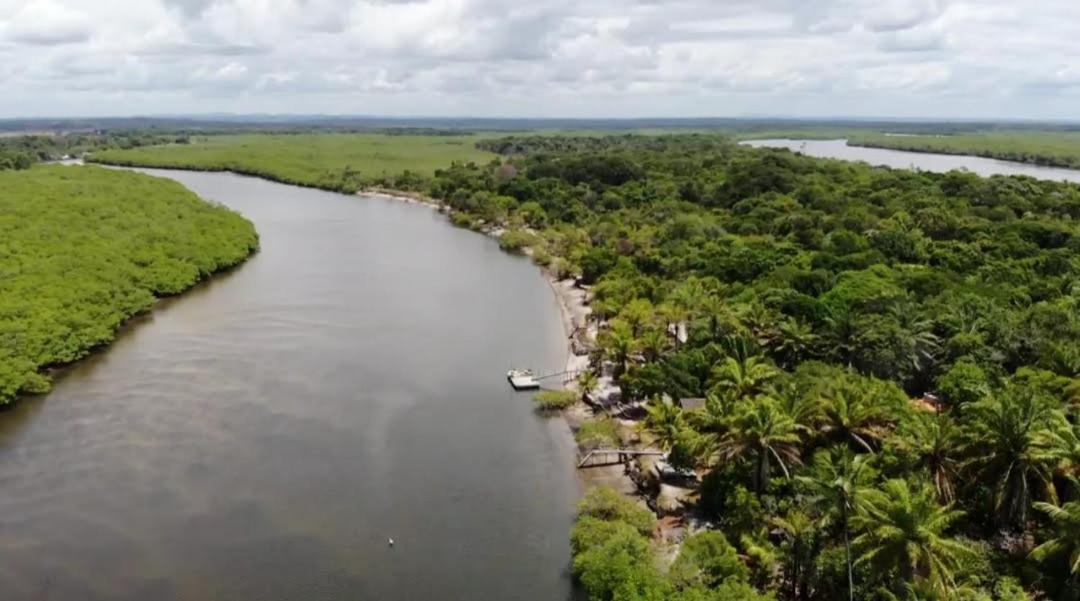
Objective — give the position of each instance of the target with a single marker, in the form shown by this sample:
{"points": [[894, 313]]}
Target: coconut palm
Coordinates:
{"points": [[933, 442], [740, 378], [904, 529], [587, 382], [761, 432], [665, 422], [852, 413], [1066, 541], [834, 487], [618, 344], [637, 314], [652, 344], [918, 341], [795, 343], [804, 408], [801, 534], [1009, 437]]}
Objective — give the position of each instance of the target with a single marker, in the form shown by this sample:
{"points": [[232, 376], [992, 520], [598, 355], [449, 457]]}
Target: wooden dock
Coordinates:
{"points": [[621, 456]]}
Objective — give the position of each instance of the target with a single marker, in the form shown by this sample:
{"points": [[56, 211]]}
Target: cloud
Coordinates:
{"points": [[552, 58], [45, 22]]}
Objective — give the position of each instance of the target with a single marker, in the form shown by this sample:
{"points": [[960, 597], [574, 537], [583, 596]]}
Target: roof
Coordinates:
{"points": [[692, 402]]}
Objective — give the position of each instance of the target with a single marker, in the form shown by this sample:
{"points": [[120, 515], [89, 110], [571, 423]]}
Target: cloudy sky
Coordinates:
{"points": [[543, 58]]}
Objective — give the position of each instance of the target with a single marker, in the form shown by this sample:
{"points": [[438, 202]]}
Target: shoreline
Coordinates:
{"points": [[574, 312], [573, 307]]}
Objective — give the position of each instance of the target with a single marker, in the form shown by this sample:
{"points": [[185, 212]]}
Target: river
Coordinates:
{"points": [[262, 436], [838, 149]]}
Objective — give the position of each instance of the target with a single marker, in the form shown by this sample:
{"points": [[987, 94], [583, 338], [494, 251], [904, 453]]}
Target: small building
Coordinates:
{"points": [[691, 403]]}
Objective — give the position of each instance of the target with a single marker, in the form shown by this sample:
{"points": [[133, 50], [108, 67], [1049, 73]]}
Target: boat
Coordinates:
{"points": [[522, 379]]}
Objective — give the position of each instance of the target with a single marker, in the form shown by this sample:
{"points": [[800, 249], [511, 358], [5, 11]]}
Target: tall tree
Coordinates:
{"points": [[1008, 442], [740, 378], [1064, 544], [665, 422], [904, 529], [854, 413], [932, 442], [834, 486], [761, 433]]}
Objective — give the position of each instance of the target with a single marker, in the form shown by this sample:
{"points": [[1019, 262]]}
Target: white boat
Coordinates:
{"points": [[522, 379]]}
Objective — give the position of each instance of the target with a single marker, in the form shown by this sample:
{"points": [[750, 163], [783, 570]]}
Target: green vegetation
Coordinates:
{"points": [[613, 558], [1056, 149], [555, 400], [819, 299], [83, 249], [338, 162], [50, 147], [890, 360]]}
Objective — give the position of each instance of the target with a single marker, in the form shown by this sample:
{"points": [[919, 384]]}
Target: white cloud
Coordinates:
{"points": [[47, 22], [964, 58]]}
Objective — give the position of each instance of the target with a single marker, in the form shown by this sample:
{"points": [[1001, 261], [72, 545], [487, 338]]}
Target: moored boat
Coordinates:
{"points": [[522, 379]]}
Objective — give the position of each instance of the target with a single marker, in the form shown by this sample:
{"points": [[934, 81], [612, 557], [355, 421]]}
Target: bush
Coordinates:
{"points": [[610, 505], [516, 240], [555, 400], [707, 559]]}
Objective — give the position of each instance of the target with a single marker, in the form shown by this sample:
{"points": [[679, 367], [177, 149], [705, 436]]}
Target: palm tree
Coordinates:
{"points": [[852, 413], [1009, 438], [618, 345], [587, 382], [801, 532], [933, 442], [796, 341], [1063, 441], [637, 314], [843, 333], [665, 422], [760, 432], [919, 343], [835, 485], [904, 528], [653, 343], [743, 378], [714, 416], [1066, 542], [804, 408]]}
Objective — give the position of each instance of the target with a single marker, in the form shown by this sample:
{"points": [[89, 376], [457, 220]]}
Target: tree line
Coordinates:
{"points": [[890, 360], [82, 249]]}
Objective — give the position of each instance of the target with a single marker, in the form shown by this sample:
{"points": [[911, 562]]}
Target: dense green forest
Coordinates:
{"points": [[1056, 149], [51, 147], [83, 248], [822, 297], [339, 162], [890, 361]]}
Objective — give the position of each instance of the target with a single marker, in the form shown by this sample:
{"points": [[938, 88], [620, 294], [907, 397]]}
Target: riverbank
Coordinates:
{"points": [[579, 334], [109, 246], [573, 301]]}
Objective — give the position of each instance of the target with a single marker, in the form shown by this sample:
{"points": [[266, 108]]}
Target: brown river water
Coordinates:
{"points": [[263, 436]]}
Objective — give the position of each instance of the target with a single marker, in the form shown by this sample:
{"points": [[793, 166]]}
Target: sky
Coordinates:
{"points": [[970, 59]]}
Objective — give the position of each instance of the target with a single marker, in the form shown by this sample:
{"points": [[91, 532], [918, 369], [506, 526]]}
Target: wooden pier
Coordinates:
{"points": [[621, 456]]}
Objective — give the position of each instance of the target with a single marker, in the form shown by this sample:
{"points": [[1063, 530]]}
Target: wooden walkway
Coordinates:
{"points": [[621, 455]]}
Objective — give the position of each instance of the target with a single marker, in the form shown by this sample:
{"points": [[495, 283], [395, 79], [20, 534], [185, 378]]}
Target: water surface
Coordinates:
{"points": [[900, 159], [262, 436]]}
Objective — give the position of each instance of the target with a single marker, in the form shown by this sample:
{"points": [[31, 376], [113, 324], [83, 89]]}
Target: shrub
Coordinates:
{"points": [[610, 505], [555, 400]]}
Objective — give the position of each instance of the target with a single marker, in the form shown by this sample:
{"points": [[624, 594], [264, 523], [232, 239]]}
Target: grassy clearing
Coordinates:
{"points": [[340, 162]]}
